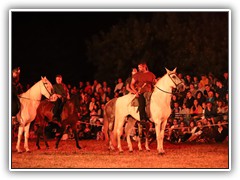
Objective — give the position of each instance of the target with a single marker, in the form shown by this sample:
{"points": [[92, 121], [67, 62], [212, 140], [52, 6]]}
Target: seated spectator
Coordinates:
{"points": [[187, 81], [97, 130], [210, 112], [87, 133], [185, 112], [211, 97], [221, 89], [189, 100], [191, 130], [207, 135], [173, 131], [119, 86], [221, 132], [197, 132], [183, 129], [204, 80], [192, 90], [200, 97], [201, 87], [222, 110], [196, 110], [195, 82]]}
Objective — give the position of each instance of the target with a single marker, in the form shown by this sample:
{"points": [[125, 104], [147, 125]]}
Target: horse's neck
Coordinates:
{"points": [[34, 92], [160, 95]]}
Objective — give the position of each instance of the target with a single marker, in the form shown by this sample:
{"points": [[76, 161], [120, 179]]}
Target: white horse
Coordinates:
{"points": [[159, 110], [30, 101]]}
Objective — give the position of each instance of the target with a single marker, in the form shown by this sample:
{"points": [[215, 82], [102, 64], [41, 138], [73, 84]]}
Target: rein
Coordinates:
{"points": [[29, 98], [164, 91]]}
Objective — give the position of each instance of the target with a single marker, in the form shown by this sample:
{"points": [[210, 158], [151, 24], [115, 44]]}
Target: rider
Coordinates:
{"points": [[61, 90], [17, 89], [142, 82], [129, 79]]}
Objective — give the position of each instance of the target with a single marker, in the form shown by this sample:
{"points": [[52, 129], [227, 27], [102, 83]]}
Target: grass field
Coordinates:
{"points": [[94, 154]]}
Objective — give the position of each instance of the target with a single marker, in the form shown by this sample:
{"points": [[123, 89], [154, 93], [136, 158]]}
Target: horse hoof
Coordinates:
{"points": [[28, 151], [161, 153], [131, 151], [79, 147], [19, 152], [121, 152]]}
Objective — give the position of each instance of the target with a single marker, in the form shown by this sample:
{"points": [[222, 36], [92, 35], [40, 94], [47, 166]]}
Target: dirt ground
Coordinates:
{"points": [[95, 155]]}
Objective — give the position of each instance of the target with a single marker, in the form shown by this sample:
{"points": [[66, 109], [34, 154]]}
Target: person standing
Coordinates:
{"points": [[17, 89], [141, 83]]}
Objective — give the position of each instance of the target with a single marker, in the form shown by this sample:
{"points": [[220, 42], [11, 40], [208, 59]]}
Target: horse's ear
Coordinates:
{"points": [[175, 70], [167, 70]]}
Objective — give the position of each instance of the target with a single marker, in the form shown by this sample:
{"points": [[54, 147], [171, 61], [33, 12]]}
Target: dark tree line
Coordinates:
{"points": [[194, 42]]}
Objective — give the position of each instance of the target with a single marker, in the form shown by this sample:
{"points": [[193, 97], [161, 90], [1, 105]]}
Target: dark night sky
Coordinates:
{"points": [[48, 43]]}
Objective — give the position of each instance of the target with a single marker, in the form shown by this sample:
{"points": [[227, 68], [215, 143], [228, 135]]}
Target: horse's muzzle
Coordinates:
{"points": [[181, 87]]}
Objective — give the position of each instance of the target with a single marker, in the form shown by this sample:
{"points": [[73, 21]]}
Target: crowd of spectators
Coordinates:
{"points": [[199, 114]]}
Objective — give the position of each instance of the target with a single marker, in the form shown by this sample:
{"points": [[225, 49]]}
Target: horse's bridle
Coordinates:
{"points": [[44, 84], [173, 82]]}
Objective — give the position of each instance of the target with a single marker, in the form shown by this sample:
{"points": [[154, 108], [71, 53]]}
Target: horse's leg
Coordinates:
{"points": [[20, 132], [119, 133], [44, 136], [76, 136], [26, 136], [38, 137], [62, 128], [139, 136], [146, 136], [162, 129], [128, 128]]}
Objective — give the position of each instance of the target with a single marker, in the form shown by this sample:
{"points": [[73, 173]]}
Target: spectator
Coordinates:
{"points": [[185, 112], [96, 85], [200, 97], [207, 89], [191, 130], [196, 110], [221, 132], [220, 89], [81, 86], [97, 130], [119, 86], [195, 82], [210, 112], [204, 80], [211, 97], [189, 100], [225, 79], [187, 81], [174, 131], [192, 90], [201, 88]]}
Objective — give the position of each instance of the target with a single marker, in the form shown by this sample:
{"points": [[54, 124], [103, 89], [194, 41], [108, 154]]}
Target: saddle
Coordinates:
{"points": [[147, 96]]}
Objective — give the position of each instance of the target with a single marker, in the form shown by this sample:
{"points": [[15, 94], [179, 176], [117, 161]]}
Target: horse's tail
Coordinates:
{"points": [[109, 119]]}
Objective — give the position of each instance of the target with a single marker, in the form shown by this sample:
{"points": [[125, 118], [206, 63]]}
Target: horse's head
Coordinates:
{"points": [[46, 87], [175, 81]]}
